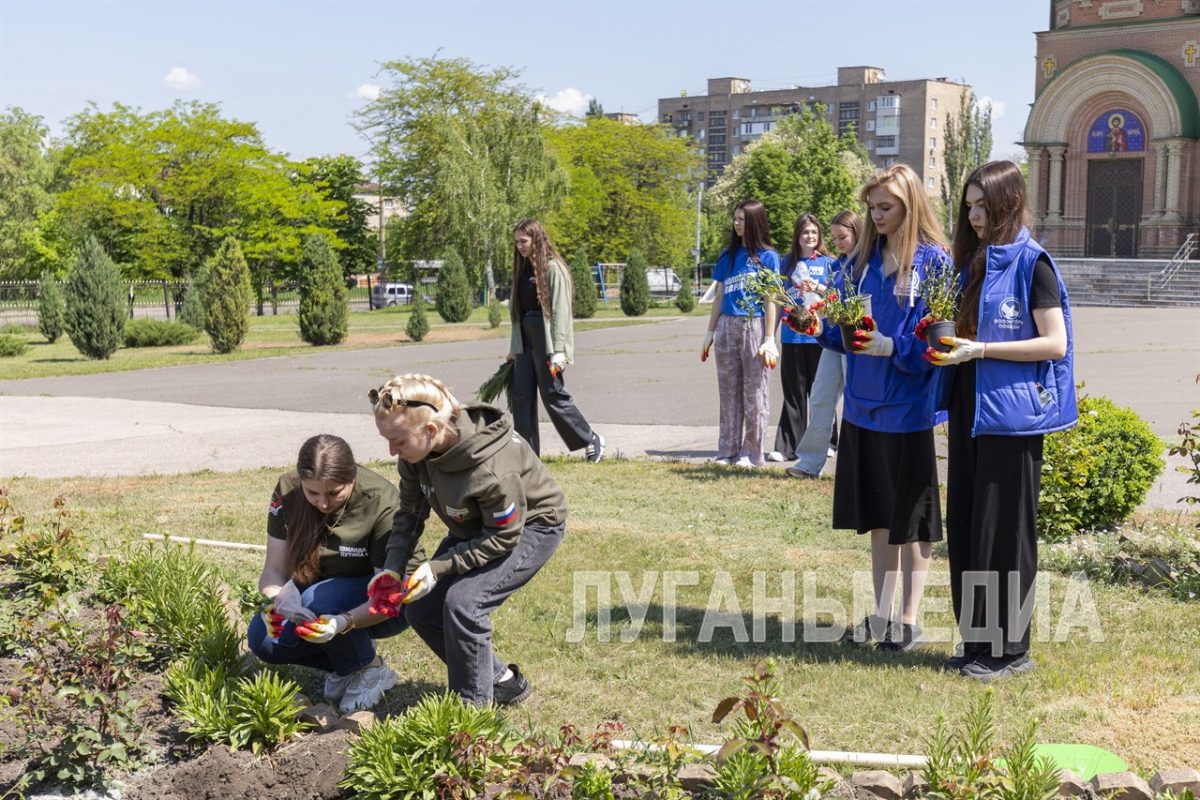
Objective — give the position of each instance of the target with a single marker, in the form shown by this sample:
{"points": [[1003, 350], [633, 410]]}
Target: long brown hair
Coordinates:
{"points": [[1004, 201], [756, 227], [541, 253], [793, 256], [920, 226], [323, 457]]}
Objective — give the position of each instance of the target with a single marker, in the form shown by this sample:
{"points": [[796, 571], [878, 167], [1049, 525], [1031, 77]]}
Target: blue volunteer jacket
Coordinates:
{"points": [[897, 394], [820, 269], [1020, 398]]}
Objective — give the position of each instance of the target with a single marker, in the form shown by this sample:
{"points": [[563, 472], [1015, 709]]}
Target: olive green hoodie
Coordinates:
{"points": [[486, 488]]}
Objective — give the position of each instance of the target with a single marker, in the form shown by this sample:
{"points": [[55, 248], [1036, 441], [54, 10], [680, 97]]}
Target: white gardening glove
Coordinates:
{"points": [[324, 628], [421, 582], [868, 341], [769, 353], [707, 345], [289, 605], [962, 350], [558, 363]]}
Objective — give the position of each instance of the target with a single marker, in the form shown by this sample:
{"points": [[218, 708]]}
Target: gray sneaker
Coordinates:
{"points": [[367, 687], [989, 668], [336, 685], [595, 451], [872, 629]]}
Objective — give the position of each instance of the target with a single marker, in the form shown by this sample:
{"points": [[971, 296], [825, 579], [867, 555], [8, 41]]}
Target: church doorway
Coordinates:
{"points": [[1114, 207]]}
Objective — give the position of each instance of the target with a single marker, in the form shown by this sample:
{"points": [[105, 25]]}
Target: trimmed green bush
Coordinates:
{"points": [[324, 315], [158, 333], [495, 313], [12, 345], [635, 289], [52, 308], [685, 299], [95, 315], [192, 311], [418, 321], [227, 308], [585, 287], [1098, 472], [453, 300]]}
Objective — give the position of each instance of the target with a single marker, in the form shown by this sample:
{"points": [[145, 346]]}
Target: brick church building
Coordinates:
{"points": [[1114, 133]]}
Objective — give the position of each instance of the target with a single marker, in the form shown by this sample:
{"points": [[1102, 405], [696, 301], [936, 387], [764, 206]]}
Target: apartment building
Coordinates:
{"points": [[897, 121]]}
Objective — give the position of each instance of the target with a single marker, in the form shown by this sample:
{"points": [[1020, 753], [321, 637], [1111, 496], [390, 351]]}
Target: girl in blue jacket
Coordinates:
{"points": [[1010, 382], [886, 483], [799, 353], [744, 334]]}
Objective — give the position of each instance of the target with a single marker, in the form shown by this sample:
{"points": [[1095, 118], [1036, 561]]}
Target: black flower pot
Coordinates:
{"points": [[934, 333], [848, 336]]}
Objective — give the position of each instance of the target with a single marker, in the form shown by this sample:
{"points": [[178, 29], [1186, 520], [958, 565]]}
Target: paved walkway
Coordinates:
{"points": [[642, 386]]}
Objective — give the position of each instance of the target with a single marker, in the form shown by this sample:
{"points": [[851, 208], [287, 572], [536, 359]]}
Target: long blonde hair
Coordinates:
{"points": [[420, 398], [920, 226]]}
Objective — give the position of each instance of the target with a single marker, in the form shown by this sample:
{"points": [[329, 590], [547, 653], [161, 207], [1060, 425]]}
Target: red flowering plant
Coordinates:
{"points": [[767, 286]]}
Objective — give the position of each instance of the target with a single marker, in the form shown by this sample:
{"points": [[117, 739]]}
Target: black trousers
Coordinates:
{"points": [[531, 377], [992, 487], [797, 369]]}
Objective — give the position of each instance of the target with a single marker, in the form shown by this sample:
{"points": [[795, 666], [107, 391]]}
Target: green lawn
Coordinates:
{"points": [[1136, 691], [279, 336]]}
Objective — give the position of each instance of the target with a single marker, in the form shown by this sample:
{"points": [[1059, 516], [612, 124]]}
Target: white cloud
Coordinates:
{"points": [[569, 101], [180, 80], [368, 91], [998, 106]]}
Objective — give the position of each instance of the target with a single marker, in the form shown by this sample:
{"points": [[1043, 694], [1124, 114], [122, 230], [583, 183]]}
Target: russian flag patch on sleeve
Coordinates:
{"points": [[505, 517]]}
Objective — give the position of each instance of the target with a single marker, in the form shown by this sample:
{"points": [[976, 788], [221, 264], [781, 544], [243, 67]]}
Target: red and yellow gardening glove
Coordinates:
{"points": [[922, 324], [961, 350], [323, 628], [557, 364], [706, 346], [769, 352], [273, 620], [419, 583], [385, 593], [868, 341]]}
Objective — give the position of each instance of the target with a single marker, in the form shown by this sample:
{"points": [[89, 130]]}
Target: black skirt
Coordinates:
{"points": [[889, 481]]}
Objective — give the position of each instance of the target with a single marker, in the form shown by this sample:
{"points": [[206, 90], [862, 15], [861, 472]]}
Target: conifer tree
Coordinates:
{"points": [[52, 309], [454, 301], [685, 299], [495, 313], [192, 312], [227, 297], [95, 313], [324, 314], [585, 287], [418, 322], [635, 289]]}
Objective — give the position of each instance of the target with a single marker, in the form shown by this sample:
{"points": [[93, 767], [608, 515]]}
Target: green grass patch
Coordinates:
{"points": [[1135, 692]]}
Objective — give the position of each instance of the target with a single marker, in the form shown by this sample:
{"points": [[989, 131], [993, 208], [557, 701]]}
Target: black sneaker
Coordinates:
{"points": [[901, 638], [989, 668], [962, 656], [595, 450], [872, 629], [512, 691]]}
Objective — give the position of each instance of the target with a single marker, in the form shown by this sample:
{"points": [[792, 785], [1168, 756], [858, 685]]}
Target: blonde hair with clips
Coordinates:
{"points": [[420, 398], [920, 226]]}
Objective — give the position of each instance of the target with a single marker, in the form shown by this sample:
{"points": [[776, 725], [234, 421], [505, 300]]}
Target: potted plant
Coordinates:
{"points": [[846, 309], [940, 291], [767, 286]]}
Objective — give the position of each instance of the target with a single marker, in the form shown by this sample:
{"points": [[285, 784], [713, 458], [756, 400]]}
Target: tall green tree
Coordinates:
{"points": [[594, 109], [95, 317], [453, 292], [628, 190], [337, 178], [800, 166], [52, 309], [26, 172], [967, 144], [584, 284], [466, 147], [227, 297], [635, 288], [323, 315]]}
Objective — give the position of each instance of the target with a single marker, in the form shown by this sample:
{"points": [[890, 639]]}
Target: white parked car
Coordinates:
{"points": [[663, 280]]}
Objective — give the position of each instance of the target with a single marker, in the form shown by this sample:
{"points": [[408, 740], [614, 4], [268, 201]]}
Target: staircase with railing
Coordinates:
{"points": [[1135, 282]]}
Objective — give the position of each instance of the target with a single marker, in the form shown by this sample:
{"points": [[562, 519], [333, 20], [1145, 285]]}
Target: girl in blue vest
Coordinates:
{"points": [[1010, 381], [744, 334], [805, 267], [886, 483]]}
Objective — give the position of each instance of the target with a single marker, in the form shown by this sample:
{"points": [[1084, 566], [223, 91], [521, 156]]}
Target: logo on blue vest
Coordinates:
{"points": [[1010, 314]]}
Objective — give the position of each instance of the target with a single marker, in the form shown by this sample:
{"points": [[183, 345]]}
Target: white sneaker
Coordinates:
{"points": [[744, 461], [831, 452], [724, 461], [775, 455], [367, 687], [335, 686]]}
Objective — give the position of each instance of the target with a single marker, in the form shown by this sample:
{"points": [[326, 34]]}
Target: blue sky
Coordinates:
{"points": [[300, 69]]}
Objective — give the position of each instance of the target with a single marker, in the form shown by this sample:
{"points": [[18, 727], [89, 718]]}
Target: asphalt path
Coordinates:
{"points": [[642, 386]]}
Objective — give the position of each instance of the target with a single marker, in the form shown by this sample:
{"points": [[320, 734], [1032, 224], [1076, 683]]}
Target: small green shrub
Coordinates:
{"points": [[439, 743], [418, 322], [495, 313], [324, 315], [454, 301], [12, 345], [52, 308], [1098, 472], [146, 332], [262, 712], [592, 784], [48, 560], [192, 311], [95, 315], [227, 308], [584, 285], [635, 288], [685, 299]]}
